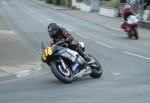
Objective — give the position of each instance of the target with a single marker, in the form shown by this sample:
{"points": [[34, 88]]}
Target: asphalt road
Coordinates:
{"points": [[126, 63]]}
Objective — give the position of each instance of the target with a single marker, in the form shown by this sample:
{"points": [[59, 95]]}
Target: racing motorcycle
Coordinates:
{"points": [[62, 60], [130, 26]]}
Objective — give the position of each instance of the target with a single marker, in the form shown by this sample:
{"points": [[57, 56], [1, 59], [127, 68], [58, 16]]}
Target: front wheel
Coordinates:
{"points": [[97, 70], [135, 33], [65, 75]]}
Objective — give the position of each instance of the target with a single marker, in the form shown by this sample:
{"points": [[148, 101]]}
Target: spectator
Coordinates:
{"points": [[123, 1], [146, 3], [120, 6], [134, 4]]}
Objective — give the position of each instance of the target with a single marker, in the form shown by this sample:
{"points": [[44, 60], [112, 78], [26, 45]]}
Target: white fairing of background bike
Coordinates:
{"points": [[132, 19]]}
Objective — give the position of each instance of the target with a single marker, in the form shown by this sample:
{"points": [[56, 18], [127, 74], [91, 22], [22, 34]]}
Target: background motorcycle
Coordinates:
{"points": [[61, 60], [131, 26]]}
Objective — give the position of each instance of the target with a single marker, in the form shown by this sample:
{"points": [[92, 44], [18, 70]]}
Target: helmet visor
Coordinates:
{"points": [[52, 33]]}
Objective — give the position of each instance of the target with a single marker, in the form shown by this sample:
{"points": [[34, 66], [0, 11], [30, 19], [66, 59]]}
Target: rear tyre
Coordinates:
{"points": [[64, 75]]}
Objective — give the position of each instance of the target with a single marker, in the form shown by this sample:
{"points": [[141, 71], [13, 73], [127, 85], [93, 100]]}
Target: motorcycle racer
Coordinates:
{"points": [[58, 33], [130, 21]]}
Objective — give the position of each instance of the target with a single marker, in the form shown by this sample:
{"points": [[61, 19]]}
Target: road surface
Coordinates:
{"points": [[126, 63]]}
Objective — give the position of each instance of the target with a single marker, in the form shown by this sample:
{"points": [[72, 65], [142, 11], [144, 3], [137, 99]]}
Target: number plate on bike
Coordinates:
{"points": [[46, 52]]}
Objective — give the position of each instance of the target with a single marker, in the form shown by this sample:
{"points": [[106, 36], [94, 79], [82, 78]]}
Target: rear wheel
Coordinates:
{"points": [[65, 75]]}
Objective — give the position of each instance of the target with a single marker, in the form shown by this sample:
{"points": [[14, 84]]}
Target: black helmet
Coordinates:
{"points": [[53, 29]]}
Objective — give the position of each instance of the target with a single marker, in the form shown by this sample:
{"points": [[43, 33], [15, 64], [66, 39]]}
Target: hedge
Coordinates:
{"points": [[66, 3]]}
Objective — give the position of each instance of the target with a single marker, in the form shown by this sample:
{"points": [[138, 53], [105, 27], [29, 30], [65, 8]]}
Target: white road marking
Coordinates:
{"points": [[103, 44], [116, 74], [113, 28], [83, 36], [23, 73], [7, 32], [136, 55]]}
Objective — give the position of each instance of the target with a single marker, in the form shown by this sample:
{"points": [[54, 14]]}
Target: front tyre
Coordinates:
{"points": [[65, 75], [135, 32], [97, 70]]}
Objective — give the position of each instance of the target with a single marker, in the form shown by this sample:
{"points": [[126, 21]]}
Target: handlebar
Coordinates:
{"points": [[61, 43]]}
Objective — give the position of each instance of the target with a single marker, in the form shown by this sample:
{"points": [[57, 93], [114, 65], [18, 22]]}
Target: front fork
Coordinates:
{"points": [[63, 64]]}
